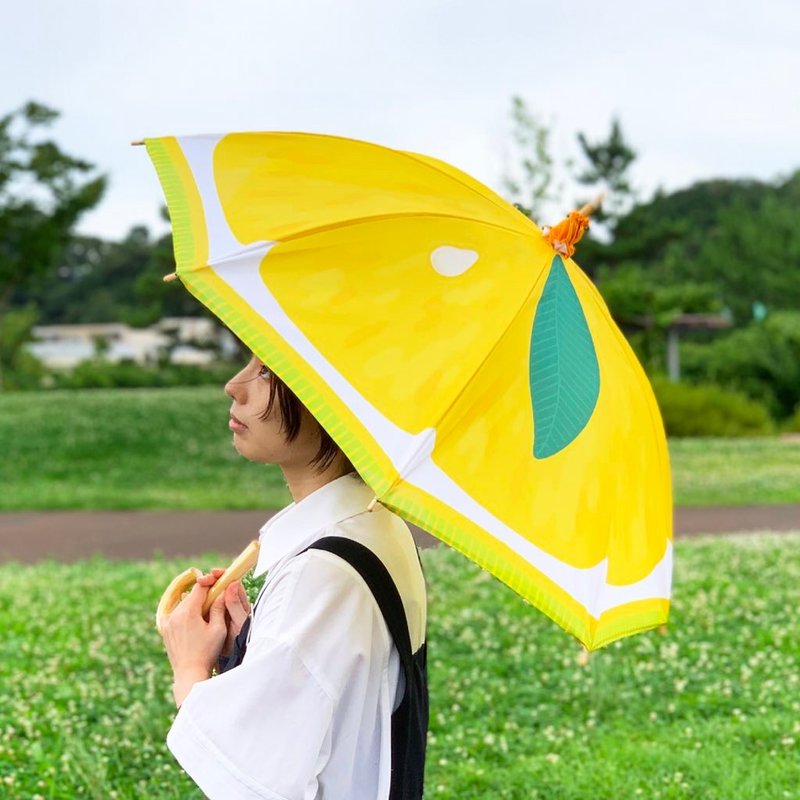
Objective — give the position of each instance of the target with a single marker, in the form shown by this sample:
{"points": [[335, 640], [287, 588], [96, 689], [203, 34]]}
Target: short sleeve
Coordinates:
{"points": [[263, 729]]}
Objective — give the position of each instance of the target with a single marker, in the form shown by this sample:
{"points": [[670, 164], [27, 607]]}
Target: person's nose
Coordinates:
{"points": [[236, 387]]}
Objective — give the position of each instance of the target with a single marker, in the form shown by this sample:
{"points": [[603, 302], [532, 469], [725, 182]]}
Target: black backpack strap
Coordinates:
{"points": [[380, 582]]}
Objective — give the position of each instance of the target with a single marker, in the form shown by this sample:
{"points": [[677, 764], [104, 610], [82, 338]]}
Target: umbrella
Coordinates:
{"points": [[463, 362]]}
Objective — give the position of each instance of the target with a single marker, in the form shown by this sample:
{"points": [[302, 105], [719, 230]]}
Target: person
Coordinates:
{"points": [[321, 700]]}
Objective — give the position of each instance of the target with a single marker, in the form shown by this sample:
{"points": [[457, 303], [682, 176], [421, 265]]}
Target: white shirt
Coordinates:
{"points": [[307, 714]]}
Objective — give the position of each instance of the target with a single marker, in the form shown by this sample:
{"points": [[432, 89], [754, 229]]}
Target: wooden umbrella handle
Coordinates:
{"points": [[178, 586], [182, 583], [239, 567]]}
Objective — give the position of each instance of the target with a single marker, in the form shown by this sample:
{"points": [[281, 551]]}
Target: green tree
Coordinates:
{"points": [[762, 360], [754, 256], [529, 186], [42, 196], [158, 299], [99, 281], [608, 162], [62, 298], [740, 236], [22, 369], [645, 309]]}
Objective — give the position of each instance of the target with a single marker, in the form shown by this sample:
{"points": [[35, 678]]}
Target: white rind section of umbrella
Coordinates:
{"points": [[452, 261], [238, 265], [222, 244]]}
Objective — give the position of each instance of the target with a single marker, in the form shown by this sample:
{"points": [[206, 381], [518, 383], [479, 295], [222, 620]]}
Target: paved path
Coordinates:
{"points": [[71, 535]]}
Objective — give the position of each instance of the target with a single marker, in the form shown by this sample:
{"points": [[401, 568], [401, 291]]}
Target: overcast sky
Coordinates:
{"points": [[703, 89]]}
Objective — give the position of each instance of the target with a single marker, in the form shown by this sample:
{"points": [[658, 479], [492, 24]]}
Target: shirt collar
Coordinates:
{"points": [[295, 527]]}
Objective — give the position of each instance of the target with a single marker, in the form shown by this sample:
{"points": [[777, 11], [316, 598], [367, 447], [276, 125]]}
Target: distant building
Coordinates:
{"points": [[182, 338]]}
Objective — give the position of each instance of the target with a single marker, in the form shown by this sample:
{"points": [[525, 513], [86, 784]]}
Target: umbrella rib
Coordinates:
{"points": [[397, 215], [417, 158], [352, 222], [501, 205]]}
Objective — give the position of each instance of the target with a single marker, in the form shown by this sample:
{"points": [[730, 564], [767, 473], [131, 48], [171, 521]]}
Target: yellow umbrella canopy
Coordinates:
{"points": [[466, 365]]}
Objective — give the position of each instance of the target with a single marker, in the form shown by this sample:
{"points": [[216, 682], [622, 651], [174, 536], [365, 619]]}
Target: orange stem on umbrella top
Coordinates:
{"points": [[564, 236]]}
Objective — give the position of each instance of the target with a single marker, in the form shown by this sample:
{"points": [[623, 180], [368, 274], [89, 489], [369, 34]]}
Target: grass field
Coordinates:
{"points": [[711, 710], [171, 448]]}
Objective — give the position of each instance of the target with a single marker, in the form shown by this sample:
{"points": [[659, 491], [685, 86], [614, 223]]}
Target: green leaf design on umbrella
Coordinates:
{"points": [[564, 374]]}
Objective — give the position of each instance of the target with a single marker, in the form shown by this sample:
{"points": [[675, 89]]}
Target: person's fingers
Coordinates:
{"points": [[244, 598], [233, 600], [237, 608], [196, 597], [212, 577], [216, 614]]}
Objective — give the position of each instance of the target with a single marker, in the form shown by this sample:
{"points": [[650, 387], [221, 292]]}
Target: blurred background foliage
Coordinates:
{"points": [[725, 248]]}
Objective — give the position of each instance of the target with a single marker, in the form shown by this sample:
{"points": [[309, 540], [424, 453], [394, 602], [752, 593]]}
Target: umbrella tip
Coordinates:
{"points": [[137, 142], [592, 206], [372, 503], [171, 277], [564, 236]]}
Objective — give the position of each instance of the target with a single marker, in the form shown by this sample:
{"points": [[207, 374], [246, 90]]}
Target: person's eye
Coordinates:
{"points": [[263, 372]]}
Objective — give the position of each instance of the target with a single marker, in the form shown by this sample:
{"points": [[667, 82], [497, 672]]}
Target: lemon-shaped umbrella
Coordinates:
{"points": [[461, 360]]}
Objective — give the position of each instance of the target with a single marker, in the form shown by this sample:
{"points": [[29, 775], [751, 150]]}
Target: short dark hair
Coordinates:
{"points": [[291, 418]]}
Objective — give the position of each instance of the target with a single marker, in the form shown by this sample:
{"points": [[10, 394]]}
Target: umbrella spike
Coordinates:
{"points": [[171, 277], [137, 142], [592, 206], [372, 503]]}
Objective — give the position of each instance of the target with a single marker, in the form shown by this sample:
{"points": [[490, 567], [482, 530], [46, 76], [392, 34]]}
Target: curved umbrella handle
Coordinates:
{"points": [[182, 583]]}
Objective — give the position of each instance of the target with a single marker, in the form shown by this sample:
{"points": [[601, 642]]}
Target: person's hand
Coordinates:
{"points": [[237, 607], [194, 644]]}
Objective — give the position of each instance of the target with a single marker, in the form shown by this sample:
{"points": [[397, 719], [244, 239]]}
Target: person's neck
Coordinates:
{"points": [[304, 480]]}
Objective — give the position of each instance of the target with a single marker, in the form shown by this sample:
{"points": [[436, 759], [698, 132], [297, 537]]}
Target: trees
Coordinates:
{"points": [[608, 163], [754, 256], [100, 281], [529, 185], [43, 193], [537, 179], [545, 189], [22, 369], [761, 359], [741, 237]]}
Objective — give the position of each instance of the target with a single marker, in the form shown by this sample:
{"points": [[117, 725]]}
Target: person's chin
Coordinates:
{"points": [[240, 446], [246, 450]]}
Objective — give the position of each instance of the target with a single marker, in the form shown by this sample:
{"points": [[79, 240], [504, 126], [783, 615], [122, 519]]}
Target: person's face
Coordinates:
{"points": [[260, 440]]}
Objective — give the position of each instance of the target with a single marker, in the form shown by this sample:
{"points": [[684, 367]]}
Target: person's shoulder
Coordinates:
{"points": [[326, 618], [390, 539], [382, 531]]}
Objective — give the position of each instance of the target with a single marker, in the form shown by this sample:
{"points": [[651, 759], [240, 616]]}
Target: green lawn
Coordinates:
{"points": [[711, 710], [735, 471], [171, 448]]}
